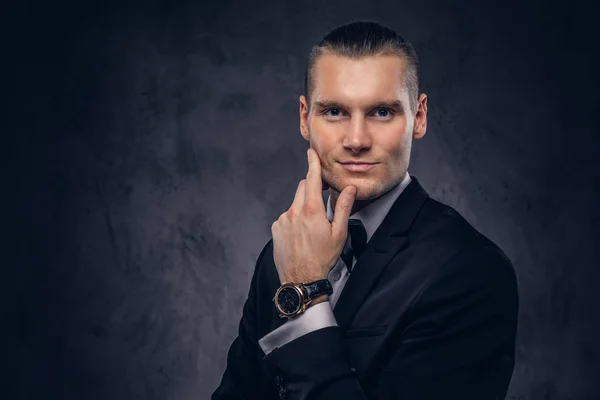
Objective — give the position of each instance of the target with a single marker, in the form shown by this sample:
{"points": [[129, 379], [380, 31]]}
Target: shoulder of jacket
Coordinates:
{"points": [[443, 227]]}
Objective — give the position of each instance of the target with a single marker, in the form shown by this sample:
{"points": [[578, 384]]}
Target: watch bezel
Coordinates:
{"points": [[302, 300]]}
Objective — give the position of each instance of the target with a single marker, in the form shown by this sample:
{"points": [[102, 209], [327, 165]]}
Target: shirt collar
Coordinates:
{"points": [[373, 214]]}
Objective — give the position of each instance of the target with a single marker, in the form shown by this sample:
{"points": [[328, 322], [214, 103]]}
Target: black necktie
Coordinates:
{"points": [[358, 241]]}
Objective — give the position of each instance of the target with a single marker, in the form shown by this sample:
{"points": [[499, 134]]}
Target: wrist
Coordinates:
{"points": [[304, 278]]}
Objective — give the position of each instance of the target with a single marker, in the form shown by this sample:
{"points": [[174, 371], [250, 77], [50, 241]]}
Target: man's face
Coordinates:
{"points": [[360, 112]]}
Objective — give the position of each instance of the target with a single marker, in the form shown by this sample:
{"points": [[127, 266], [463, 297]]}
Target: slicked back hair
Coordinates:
{"points": [[362, 39]]}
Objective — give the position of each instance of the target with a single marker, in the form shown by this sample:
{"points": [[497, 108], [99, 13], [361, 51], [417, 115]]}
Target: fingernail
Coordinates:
{"points": [[308, 153]]}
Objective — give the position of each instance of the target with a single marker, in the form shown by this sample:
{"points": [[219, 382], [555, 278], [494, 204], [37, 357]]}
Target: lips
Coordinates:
{"points": [[357, 166]]}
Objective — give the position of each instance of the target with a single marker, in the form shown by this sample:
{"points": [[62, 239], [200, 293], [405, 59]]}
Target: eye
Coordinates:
{"points": [[384, 112], [332, 112]]}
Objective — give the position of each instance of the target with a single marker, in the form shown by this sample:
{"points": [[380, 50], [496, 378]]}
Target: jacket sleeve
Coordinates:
{"points": [[458, 343], [242, 376]]}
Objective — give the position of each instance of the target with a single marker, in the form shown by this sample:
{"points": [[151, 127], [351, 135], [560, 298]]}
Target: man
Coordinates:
{"points": [[385, 293]]}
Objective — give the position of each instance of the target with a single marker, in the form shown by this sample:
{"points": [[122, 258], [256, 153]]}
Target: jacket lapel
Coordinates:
{"points": [[389, 238]]}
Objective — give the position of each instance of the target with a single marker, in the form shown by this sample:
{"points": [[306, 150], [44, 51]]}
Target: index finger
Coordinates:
{"points": [[314, 184]]}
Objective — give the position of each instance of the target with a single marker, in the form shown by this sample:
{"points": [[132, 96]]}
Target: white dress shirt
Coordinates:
{"points": [[321, 315]]}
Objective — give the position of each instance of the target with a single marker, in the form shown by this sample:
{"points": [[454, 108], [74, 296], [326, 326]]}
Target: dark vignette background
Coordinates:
{"points": [[148, 146]]}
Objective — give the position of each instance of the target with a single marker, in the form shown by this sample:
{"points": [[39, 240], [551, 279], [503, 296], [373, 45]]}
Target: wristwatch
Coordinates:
{"points": [[292, 299]]}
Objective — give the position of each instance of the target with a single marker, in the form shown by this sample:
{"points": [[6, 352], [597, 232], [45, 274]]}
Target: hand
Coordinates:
{"points": [[306, 245]]}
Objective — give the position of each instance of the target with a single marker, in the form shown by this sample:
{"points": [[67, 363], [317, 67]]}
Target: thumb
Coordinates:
{"points": [[343, 208]]}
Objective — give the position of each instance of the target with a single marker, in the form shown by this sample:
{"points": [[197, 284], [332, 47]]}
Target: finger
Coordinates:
{"points": [[314, 183], [299, 198], [343, 208]]}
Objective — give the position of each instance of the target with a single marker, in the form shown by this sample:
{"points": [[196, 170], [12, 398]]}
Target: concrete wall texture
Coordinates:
{"points": [[149, 146]]}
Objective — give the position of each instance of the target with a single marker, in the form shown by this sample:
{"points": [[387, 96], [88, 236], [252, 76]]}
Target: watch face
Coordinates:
{"points": [[289, 300]]}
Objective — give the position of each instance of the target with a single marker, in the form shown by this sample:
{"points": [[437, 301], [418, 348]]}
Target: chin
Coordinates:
{"points": [[367, 193], [367, 189]]}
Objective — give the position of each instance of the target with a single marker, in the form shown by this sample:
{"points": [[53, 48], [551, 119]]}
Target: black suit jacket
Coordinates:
{"points": [[428, 312]]}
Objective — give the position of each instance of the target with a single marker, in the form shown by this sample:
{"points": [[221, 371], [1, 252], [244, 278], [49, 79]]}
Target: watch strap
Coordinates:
{"points": [[318, 288]]}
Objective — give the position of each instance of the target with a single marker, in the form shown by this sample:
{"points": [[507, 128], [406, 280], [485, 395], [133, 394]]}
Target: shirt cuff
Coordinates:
{"points": [[315, 317]]}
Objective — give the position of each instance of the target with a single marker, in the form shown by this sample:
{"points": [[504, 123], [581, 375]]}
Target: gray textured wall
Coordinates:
{"points": [[149, 147]]}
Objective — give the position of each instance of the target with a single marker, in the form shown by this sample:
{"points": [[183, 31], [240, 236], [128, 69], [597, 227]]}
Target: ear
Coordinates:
{"points": [[304, 118], [420, 126]]}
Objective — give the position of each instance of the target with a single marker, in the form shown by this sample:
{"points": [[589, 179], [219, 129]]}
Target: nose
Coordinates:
{"points": [[357, 136]]}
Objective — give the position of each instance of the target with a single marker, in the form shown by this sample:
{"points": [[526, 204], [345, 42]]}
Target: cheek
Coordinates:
{"points": [[397, 152], [393, 144], [322, 140]]}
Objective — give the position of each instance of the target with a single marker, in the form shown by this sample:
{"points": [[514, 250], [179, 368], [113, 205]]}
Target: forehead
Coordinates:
{"points": [[367, 79]]}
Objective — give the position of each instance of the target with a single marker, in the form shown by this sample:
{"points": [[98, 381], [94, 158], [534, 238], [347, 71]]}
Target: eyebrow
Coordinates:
{"points": [[395, 104]]}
